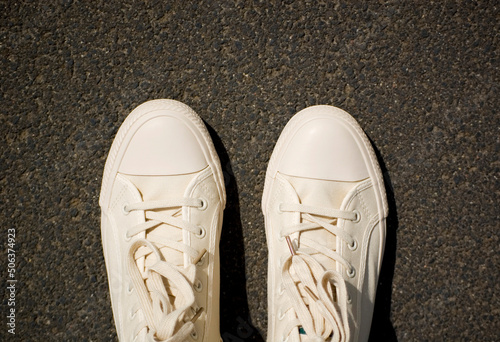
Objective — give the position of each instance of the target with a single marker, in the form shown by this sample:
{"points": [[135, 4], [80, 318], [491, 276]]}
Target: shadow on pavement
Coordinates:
{"points": [[382, 328], [236, 325]]}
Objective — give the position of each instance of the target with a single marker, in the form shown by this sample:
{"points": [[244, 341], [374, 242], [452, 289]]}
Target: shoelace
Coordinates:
{"points": [[164, 321], [318, 297]]}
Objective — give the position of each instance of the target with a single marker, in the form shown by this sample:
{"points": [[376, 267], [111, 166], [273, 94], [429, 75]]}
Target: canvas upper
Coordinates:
{"points": [[162, 200], [324, 205]]}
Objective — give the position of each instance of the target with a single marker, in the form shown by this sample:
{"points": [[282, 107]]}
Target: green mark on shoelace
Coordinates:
{"points": [[303, 332]]}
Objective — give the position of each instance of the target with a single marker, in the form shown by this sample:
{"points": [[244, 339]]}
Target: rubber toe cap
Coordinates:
{"points": [[164, 145], [324, 147]]}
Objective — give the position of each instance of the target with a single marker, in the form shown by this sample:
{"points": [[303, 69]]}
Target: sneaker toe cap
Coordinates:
{"points": [[324, 146], [163, 145]]}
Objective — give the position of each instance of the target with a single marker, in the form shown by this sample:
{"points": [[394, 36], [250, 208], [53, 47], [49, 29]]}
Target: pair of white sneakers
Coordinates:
{"points": [[162, 202]]}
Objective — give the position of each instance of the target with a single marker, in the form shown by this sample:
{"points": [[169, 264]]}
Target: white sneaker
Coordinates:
{"points": [[324, 205], [162, 200]]}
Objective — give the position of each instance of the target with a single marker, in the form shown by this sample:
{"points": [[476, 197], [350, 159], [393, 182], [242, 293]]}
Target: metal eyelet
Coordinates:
{"points": [[353, 246], [201, 262], [194, 334], [198, 286], [202, 234], [194, 309], [125, 211], [204, 204], [351, 273], [279, 209], [358, 216], [127, 238]]}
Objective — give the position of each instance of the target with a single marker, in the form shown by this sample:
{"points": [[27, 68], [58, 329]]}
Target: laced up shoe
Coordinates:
{"points": [[162, 200], [324, 205]]}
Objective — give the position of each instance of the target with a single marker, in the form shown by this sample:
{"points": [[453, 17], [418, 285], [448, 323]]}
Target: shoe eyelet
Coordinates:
{"points": [[198, 286], [130, 289], [194, 334], [202, 233], [204, 204], [358, 216], [351, 273], [353, 246], [127, 238], [201, 262], [194, 309], [279, 209], [349, 299], [125, 211]]}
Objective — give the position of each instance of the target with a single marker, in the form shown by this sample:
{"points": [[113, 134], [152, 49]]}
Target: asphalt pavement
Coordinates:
{"points": [[421, 77]]}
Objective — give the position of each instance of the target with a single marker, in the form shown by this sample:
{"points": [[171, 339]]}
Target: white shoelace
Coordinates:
{"points": [[318, 297], [165, 321]]}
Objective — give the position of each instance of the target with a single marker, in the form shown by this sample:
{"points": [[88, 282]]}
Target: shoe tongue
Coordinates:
{"points": [[323, 194], [157, 188]]}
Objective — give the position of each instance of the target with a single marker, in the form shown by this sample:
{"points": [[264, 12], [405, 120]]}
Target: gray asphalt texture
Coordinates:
{"points": [[422, 79]]}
